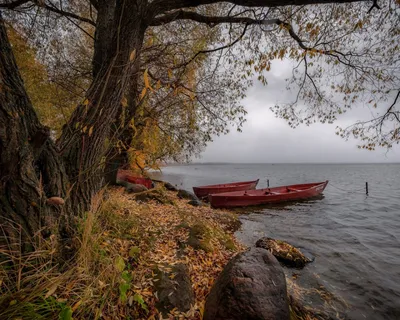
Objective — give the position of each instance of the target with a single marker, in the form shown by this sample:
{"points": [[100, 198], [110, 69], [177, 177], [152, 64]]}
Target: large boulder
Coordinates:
{"points": [[251, 286], [183, 194], [285, 253], [174, 289]]}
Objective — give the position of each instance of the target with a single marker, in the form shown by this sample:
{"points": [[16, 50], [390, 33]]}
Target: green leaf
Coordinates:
{"points": [[123, 289], [126, 275], [134, 251], [120, 264], [139, 299], [13, 302], [65, 314]]}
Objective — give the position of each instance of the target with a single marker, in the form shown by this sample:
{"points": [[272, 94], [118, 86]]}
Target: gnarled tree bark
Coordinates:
{"points": [[30, 168]]}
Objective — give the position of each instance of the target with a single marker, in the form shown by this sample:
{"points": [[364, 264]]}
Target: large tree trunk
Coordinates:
{"points": [[30, 169], [120, 131], [118, 157], [87, 137], [103, 35]]}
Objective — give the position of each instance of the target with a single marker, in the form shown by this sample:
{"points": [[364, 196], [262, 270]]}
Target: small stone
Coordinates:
{"points": [[123, 183], [183, 194], [135, 188], [170, 186], [55, 201], [195, 203]]}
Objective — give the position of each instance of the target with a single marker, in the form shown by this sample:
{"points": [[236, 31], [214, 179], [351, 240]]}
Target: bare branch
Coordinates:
{"points": [[210, 20], [13, 4], [95, 4], [390, 112], [50, 7], [161, 6], [217, 49], [54, 9], [374, 5]]}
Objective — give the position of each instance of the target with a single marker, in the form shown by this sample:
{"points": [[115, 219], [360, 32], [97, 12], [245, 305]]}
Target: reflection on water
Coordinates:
{"points": [[354, 238]]}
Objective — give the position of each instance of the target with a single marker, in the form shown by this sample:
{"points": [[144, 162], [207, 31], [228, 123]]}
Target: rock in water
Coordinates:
{"points": [[170, 186], [183, 194], [284, 252], [251, 286], [135, 188], [174, 289]]}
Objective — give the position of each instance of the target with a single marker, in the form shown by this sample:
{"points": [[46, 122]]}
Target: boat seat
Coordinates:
{"points": [[292, 189]]}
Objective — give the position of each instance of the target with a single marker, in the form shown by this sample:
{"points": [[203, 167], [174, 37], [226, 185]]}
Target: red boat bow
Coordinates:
{"points": [[204, 191]]}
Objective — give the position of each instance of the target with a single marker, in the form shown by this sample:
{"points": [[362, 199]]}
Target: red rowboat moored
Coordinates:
{"points": [[266, 196], [204, 191], [139, 180], [126, 175]]}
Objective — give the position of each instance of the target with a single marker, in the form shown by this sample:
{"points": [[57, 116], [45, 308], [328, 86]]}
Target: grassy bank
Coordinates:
{"points": [[122, 242]]}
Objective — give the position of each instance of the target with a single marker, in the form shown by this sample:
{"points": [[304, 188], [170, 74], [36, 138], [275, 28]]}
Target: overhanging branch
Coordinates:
{"points": [[161, 6], [13, 4], [210, 20], [214, 20], [54, 9]]}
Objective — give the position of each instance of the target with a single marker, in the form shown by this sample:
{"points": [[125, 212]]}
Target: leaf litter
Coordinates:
{"points": [[157, 238]]}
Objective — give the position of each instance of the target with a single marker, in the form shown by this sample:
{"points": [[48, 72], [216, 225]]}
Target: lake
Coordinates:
{"points": [[354, 238]]}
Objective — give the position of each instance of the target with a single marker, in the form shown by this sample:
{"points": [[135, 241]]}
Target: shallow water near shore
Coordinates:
{"points": [[354, 238]]}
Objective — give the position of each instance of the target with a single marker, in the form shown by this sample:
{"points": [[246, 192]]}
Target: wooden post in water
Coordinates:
{"points": [[268, 183], [366, 188]]}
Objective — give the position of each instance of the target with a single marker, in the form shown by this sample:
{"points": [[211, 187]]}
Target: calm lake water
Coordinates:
{"points": [[354, 238]]}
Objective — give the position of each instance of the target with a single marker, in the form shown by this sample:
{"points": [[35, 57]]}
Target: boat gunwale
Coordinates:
{"points": [[227, 185]]}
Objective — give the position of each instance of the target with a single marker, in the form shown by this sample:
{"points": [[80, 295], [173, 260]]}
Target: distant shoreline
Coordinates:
{"points": [[274, 163]]}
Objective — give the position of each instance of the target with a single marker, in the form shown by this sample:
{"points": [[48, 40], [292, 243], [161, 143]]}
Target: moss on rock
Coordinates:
{"points": [[287, 254], [200, 237]]}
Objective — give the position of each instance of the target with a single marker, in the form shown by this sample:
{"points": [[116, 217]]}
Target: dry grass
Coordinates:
{"points": [[121, 241]]}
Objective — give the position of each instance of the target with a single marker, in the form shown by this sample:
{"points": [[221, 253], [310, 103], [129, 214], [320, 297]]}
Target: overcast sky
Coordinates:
{"points": [[266, 139]]}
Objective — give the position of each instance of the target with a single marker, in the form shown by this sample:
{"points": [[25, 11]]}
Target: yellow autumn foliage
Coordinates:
{"points": [[53, 104]]}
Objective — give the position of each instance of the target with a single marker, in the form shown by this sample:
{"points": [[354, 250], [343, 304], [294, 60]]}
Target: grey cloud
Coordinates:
{"points": [[270, 140]]}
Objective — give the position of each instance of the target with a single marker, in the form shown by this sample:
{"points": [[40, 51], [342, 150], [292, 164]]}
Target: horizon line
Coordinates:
{"points": [[224, 162]]}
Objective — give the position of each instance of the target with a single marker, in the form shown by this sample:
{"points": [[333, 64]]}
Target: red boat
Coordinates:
{"points": [[266, 196], [139, 180], [126, 175], [204, 191]]}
